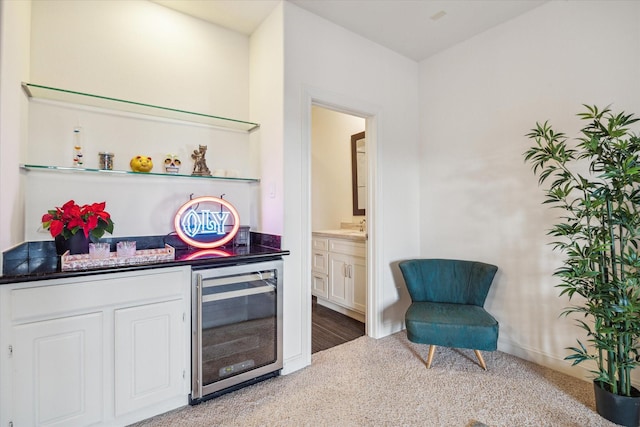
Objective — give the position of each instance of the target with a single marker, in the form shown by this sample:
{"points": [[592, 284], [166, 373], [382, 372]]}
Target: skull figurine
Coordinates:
{"points": [[172, 164]]}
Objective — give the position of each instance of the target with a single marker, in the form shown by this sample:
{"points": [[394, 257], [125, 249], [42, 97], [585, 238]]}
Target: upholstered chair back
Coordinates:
{"points": [[448, 281]]}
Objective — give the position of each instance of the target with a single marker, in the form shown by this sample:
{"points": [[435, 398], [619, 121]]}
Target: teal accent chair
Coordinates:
{"points": [[447, 305]]}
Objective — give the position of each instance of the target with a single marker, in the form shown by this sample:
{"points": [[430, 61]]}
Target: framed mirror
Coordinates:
{"points": [[359, 173]]}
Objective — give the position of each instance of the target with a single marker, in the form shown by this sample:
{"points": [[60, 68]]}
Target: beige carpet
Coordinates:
{"points": [[384, 382]]}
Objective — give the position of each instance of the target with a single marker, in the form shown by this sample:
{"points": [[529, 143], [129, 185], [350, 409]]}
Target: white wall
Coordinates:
{"points": [[267, 89], [327, 63], [331, 180], [14, 67], [143, 52], [478, 199]]}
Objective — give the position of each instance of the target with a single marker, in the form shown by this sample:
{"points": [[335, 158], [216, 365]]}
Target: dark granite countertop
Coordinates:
{"points": [[33, 261]]}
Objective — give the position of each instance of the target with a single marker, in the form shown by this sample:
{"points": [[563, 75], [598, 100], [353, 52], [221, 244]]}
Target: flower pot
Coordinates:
{"points": [[76, 244], [623, 410]]}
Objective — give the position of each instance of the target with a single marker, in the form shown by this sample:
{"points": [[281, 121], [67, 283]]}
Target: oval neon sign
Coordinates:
{"points": [[203, 222]]}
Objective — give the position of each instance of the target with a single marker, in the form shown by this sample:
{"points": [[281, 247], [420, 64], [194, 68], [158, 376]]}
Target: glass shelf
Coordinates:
{"points": [[63, 95], [120, 172]]}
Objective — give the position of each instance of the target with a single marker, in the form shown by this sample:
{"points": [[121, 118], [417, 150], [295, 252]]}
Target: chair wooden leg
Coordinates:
{"points": [[432, 350], [480, 359]]}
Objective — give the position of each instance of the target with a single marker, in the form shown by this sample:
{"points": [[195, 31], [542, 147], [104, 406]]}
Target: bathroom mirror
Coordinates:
{"points": [[359, 173]]}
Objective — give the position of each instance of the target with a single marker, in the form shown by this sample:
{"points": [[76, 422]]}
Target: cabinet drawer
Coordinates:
{"points": [[320, 285], [320, 262], [320, 244], [62, 297], [347, 247]]}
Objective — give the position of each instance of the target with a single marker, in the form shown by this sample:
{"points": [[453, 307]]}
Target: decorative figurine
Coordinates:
{"points": [[141, 164], [199, 162], [172, 164]]}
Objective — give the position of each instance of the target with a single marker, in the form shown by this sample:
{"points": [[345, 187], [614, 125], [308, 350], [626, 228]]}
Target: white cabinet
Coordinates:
{"points": [[348, 280], [320, 267], [339, 275], [148, 355], [107, 349], [57, 371], [340, 289]]}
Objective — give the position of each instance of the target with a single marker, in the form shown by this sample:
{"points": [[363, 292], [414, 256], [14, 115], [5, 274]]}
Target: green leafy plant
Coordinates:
{"points": [[599, 233]]}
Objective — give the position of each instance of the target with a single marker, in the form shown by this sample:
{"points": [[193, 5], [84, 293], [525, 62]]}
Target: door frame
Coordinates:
{"points": [[336, 102]]}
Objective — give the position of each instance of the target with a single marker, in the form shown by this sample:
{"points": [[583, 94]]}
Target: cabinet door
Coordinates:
{"points": [[149, 362], [319, 285], [358, 278], [58, 365], [340, 291]]}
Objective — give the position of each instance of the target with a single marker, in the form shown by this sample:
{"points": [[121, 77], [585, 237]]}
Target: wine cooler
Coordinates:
{"points": [[236, 327]]}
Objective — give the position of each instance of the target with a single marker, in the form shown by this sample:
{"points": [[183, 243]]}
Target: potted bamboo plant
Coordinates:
{"points": [[595, 181]]}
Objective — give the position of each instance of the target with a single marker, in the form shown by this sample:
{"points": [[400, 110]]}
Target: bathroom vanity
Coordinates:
{"points": [[339, 271]]}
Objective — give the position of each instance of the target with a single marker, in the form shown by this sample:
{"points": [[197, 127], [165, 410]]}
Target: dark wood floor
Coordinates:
{"points": [[330, 328]]}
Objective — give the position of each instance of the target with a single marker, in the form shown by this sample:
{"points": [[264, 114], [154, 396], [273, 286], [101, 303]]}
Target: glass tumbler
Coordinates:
{"points": [[126, 249], [99, 250]]}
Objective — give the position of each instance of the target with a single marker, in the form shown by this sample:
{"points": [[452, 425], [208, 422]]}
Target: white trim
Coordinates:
{"points": [[295, 363], [305, 221], [544, 359], [336, 102], [375, 291]]}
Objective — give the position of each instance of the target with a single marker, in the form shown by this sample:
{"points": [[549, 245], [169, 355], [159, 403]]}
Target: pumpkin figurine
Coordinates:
{"points": [[141, 164]]}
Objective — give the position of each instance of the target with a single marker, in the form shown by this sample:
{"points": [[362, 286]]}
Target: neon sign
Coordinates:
{"points": [[207, 222], [204, 222]]}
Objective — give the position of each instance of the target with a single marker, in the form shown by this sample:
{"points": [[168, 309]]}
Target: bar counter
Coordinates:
{"points": [[31, 261]]}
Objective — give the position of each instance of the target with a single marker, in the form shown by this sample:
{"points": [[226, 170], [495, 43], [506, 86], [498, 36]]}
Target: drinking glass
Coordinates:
{"points": [[126, 249], [99, 250]]}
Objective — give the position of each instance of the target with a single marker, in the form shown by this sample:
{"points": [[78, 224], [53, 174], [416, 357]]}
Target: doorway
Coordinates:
{"points": [[338, 308], [330, 328]]}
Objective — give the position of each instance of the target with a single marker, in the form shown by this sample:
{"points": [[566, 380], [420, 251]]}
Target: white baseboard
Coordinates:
{"points": [[544, 359], [389, 328], [581, 371], [295, 363]]}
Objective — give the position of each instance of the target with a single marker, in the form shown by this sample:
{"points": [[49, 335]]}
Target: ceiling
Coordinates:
{"points": [[416, 29]]}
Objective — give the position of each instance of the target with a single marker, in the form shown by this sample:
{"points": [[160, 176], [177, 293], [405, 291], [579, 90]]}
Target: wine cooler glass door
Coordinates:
{"points": [[238, 325]]}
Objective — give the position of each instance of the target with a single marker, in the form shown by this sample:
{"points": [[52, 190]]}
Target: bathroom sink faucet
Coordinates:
{"points": [[363, 223]]}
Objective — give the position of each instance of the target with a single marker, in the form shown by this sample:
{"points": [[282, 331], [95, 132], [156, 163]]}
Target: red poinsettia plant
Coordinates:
{"points": [[72, 218]]}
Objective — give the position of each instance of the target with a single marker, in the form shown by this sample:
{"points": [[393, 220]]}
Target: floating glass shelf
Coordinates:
{"points": [[64, 95], [120, 172]]}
